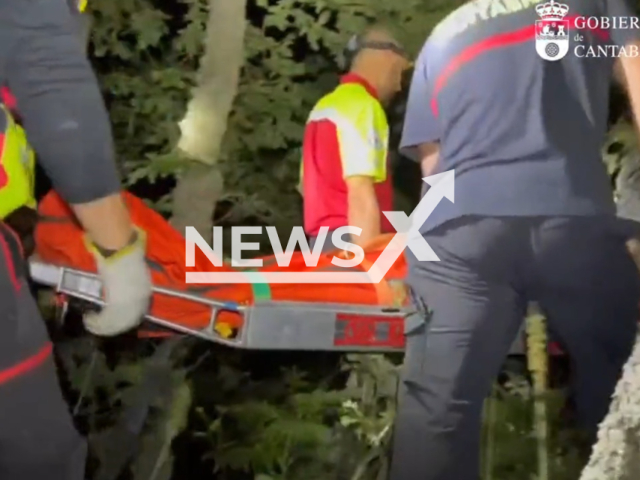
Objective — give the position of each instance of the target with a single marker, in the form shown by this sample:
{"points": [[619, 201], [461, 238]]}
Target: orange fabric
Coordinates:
{"points": [[59, 240]]}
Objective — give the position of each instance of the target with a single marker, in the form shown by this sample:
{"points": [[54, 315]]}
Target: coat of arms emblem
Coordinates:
{"points": [[552, 31]]}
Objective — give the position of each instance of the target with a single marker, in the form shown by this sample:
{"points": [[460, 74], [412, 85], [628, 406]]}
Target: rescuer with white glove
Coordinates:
{"points": [[43, 64], [126, 283]]}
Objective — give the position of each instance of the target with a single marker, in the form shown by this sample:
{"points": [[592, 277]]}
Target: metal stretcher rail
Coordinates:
{"points": [[267, 325]]}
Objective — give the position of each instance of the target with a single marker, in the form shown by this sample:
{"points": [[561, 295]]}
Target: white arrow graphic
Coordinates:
{"points": [[442, 186]]}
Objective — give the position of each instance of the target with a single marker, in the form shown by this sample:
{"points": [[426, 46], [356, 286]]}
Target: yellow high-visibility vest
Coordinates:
{"points": [[362, 129], [17, 167]]}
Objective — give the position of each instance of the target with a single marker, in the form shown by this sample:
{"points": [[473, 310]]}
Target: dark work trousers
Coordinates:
{"points": [[37, 437], [578, 270]]}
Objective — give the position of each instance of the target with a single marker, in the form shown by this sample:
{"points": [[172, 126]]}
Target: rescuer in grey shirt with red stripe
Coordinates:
{"points": [[533, 220]]}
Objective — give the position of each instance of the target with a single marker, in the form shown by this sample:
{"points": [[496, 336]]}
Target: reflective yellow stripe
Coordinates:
{"points": [[18, 161], [360, 155], [362, 128]]}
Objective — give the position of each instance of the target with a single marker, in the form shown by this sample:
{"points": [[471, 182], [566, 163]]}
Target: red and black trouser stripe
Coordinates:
{"points": [[24, 343], [37, 436]]}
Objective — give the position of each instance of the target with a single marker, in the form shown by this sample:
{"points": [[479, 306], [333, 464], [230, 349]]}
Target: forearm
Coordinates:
{"points": [[429, 155], [364, 213], [428, 164], [106, 221]]}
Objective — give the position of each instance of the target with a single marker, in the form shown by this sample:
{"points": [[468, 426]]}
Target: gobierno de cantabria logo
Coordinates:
{"points": [[552, 31]]}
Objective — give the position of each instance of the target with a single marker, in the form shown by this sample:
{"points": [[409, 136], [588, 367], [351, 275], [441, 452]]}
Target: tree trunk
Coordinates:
{"points": [[205, 122]]}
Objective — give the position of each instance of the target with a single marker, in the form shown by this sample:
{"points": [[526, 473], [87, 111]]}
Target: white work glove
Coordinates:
{"points": [[126, 283]]}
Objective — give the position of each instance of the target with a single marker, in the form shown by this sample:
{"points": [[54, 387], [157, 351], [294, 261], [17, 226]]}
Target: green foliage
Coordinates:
{"points": [[264, 430], [285, 429], [293, 427], [621, 144], [146, 65], [282, 80], [155, 458], [106, 392], [147, 59], [509, 447]]}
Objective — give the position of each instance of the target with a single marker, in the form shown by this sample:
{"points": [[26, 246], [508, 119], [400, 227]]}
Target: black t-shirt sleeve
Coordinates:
{"points": [[59, 100], [623, 9]]}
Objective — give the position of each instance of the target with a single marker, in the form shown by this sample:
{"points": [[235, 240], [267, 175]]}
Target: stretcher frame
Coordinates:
{"points": [[266, 325]]}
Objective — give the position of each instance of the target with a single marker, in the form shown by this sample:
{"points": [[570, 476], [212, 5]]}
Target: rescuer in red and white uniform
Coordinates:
{"points": [[345, 170]]}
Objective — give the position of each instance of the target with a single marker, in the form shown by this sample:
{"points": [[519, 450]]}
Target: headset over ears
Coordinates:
{"points": [[356, 44]]}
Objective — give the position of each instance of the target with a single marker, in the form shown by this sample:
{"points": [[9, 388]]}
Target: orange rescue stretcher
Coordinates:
{"points": [[320, 317], [253, 316]]}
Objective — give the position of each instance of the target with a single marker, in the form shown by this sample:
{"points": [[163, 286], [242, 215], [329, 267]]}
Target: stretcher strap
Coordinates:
{"points": [[261, 291]]}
